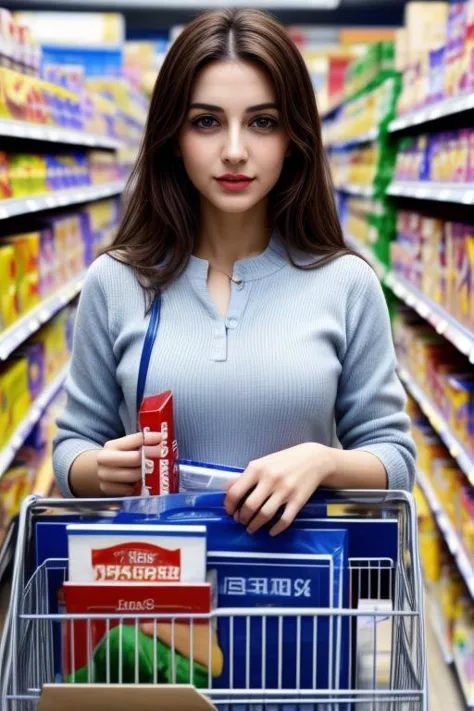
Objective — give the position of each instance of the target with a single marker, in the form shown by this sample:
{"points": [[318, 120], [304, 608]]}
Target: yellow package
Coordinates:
{"points": [[13, 489], [8, 291], [27, 253], [15, 397]]}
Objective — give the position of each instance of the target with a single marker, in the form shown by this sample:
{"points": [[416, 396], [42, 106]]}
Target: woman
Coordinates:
{"points": [[271, 330]]}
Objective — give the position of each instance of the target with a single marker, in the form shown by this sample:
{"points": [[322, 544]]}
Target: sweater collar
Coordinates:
{"points": [[273, 258]]}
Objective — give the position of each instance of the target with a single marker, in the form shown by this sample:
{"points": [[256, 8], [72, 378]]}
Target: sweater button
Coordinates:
{"points": [[231, 323]]}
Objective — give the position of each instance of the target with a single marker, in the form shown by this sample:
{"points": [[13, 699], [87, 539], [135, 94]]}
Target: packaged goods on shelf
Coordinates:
{"points": [[36, 264], [370, 165], [22, 478], [372, 110], [438, 258], [32, 368], [371, 222], [439, 55], [19, 49], [446, 157], [439, 370], [26, 174]]}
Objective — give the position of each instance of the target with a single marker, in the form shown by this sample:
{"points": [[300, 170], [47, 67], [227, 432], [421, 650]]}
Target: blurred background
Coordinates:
{"points": [[394, 83]]}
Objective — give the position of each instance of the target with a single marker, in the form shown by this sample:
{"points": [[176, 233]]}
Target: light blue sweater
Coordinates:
{"points": [[298, 352]]}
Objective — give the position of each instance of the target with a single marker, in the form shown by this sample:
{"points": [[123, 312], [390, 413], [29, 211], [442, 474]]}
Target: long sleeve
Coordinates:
{"points": [[370, 406], [91, 416]]}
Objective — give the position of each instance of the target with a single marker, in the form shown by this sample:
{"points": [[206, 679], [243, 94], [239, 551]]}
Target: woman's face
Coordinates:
{"points": [[232, 142]]}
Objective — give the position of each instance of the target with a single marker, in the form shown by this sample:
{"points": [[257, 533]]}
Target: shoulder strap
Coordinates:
{"points": [[147, 349]]}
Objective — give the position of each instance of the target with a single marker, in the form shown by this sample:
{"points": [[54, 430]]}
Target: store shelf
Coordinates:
{"points": [[448, 107], [367, 137], [28, 324], [358, 190], [61, 198], [465, 684], [452, 539], [460, 193], [445, 324], [7, 454], [437, 625], [53, 134], [440, 425], [379, 268]]}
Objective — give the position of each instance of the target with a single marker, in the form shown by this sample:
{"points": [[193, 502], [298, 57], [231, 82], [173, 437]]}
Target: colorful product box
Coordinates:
{"points": [[160, 473], [154, 639], [135, 553], [15, 398], [8, 292]]}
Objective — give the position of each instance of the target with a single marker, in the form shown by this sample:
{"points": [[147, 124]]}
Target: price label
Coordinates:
{"points": [[445, 195], [32, 205], [3, 213], [468, 197], [441, 327]]}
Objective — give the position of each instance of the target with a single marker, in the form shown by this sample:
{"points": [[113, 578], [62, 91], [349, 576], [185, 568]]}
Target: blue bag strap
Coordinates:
{"points": [[147, 349]]}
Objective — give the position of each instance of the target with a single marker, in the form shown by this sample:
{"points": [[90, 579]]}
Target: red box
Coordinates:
{"points": [[160, 474]]}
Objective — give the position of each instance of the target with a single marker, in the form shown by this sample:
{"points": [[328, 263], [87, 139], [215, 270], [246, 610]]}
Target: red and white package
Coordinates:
{"points": [[160, 474]]}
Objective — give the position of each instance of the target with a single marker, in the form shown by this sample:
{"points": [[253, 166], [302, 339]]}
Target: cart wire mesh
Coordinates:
{"points": [[378, 638]]}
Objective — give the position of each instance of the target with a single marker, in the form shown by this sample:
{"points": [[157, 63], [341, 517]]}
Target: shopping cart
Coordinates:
{"points": [[386, 645]]}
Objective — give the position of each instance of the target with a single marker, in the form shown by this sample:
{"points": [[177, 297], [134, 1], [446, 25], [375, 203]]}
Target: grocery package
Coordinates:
{"points": [[438, 258], [446, 157], [438, 51], [160, 473], [36, 264], [136, 553], [373, 109], [440, 370]]}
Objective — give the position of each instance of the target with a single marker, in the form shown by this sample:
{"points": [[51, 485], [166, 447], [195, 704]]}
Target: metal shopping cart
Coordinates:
{"points": [[384, 621]]}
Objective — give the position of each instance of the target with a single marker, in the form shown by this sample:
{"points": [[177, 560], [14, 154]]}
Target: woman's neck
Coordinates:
{"points": [[225, 238]]}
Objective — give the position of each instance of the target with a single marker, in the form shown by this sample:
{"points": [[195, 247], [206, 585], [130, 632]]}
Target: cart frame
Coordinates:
{"points": [[26, 666]]}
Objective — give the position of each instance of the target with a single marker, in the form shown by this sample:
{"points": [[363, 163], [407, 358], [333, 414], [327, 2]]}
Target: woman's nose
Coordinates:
{"points": [[234, 149]]}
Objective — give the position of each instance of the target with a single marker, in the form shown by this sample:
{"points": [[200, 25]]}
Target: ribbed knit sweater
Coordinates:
{"points": [[301, 355]]}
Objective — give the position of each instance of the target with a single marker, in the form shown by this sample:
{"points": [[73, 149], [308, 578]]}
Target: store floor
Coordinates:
{"points": [[444, 692]]}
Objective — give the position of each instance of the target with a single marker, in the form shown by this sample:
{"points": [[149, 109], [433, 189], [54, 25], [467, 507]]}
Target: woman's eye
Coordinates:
{"points": [[265, 122], [205, 122]]}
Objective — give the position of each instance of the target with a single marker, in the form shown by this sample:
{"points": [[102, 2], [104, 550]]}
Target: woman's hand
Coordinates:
{"points": [[119, 462], [284, 479]]}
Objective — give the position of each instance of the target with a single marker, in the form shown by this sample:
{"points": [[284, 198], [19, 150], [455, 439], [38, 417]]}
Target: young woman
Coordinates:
{"points": [[273, 336]]}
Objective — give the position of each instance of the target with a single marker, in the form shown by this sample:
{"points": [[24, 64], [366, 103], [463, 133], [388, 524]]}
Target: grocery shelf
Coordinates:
{"points": [[367, 137], [439, 424], [447, 107], [354, 189], [53, 134], [379, 268], [28, 324], [437, 625], [61, 198], [445, 324], [461, 193], [464, 682], [450, 535], [7, 454]]}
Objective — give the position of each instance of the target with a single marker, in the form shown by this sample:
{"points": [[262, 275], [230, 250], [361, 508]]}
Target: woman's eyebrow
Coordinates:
{"points": [[219, 109]]}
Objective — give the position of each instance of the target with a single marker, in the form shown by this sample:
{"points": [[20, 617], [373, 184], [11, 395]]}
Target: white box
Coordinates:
{"points": [[137, 553]]}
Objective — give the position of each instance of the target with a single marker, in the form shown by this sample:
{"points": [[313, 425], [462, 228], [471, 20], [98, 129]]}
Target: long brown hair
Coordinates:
{"points": [[161, 218]]}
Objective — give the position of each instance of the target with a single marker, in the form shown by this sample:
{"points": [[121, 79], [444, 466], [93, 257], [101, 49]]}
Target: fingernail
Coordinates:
{"points": [[249, 530], [236, 517]]}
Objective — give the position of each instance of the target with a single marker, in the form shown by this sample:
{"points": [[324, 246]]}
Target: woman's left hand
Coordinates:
{"points": [[284, 479]]}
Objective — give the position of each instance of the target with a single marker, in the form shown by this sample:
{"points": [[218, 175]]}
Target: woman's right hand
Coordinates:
{"points": [[119, 462]]}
